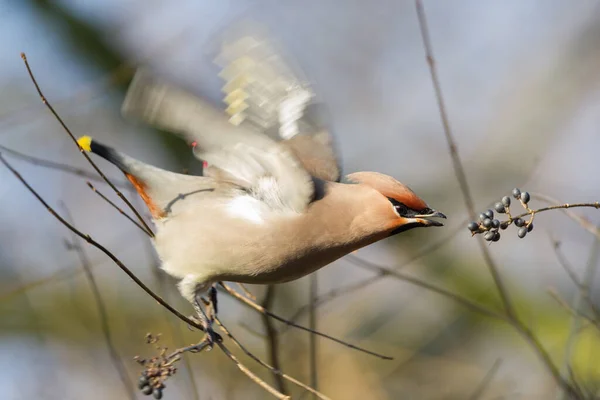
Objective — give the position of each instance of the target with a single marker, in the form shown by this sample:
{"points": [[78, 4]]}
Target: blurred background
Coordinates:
{"points": [[522, 85]]}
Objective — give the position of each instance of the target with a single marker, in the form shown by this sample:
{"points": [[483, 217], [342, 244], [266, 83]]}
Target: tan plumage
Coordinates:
{"points": [[269, 210]]}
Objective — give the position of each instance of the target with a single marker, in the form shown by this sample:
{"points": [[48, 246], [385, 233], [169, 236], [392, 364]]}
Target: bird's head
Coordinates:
{"points": [[404, 209]]}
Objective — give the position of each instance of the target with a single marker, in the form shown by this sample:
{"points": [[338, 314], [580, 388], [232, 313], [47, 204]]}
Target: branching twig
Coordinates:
{"points": [[103, 249], [585, 224], [83, 152], [459, 171], [274, 370], [102, 314], [116, 207], [262, 310], [251, 375], [486, 380]]}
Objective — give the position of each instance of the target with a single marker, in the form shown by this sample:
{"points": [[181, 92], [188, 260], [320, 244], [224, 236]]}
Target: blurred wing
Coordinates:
{"points": [[266, 169], [262, 89]]}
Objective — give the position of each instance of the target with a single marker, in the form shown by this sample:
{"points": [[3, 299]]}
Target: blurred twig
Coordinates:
{"points": [[470, 304], [83, 152], [486, 380], [459, 171], [102, 314], [312, 324], [273, 340], [580, 297], [58, 166]]}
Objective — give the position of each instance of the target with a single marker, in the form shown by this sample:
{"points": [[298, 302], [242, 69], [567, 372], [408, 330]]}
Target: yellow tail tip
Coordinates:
{"points": [[85, 142]]}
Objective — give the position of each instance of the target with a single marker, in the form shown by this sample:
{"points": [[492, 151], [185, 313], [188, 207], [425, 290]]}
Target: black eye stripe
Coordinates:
{"points": [[401, 209]]}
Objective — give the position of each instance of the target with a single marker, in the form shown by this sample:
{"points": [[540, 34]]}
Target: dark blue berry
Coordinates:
{"points": [[489, 236], [525, 197], [482, 216], [489, 214], [487, 223], [506, 201], [473, 226], [143, 381], [522, 232], [495, 224], [516, 193], [530, 227], [496, 236], [499, 207], [519, 222], [157, 394], [147, 390], [504, 225]]}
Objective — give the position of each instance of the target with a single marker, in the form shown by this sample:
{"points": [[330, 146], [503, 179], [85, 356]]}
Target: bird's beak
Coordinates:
{"points": [[423, 219]]}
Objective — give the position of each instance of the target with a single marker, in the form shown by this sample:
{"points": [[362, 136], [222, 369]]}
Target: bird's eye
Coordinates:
{"points": [[400, 208]]}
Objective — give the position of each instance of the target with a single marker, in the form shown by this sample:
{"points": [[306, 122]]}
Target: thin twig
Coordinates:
{"points": [[69, 169], [480, 389], [581, 295], [262, 310], [274, 370], [246, 292], [585, 224], [456, 161], [459, 171], [83, 152], [331, 295], [470, 304], [103, 249], [251, 375], [312, 325], [116, 207], [272, 339], [582, 288], [102, 314]]}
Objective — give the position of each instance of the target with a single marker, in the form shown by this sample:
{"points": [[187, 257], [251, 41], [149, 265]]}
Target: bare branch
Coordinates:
{"points": [[459, 171], [272, 340], [83, 152], [274, 370], [118, 209], [103, 249], [102, 314], [251, 375], [262, 310]]}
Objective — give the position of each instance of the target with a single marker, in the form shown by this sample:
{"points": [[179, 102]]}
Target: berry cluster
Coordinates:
{"points": [[156, 370], [490, 227]]}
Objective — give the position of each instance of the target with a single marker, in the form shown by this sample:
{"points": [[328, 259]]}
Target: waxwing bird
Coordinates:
{"points": [[270, 207]]}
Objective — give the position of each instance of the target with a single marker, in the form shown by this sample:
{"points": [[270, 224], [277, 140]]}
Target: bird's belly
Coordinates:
{"points": [[246, 253]]}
